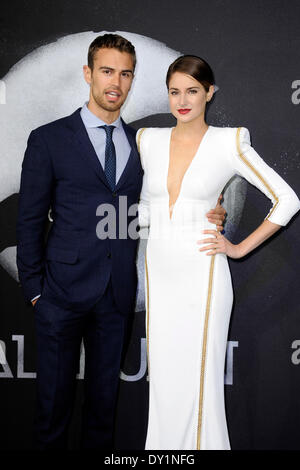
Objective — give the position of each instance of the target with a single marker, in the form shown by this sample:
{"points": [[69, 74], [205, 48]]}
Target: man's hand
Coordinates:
{"points": [[217, 215], [34, 301]]}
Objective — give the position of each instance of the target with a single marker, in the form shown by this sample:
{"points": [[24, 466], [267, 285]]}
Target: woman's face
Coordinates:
{"points": [[187, 97]]}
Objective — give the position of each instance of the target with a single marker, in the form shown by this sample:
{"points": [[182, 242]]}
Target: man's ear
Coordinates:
{"points": [[87, 73]]}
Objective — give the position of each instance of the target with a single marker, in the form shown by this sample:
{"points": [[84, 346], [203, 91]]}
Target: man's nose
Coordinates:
{"points": [[116, 80]]}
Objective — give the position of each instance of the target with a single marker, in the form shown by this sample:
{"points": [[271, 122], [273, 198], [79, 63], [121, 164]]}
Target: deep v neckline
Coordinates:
{"points": [[186, 171]]}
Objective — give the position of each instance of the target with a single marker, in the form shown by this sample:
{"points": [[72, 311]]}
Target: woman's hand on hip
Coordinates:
{"points": [[219, 244]]}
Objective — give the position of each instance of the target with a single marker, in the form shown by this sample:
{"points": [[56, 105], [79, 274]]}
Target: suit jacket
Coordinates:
{"points": [[61, 170]]}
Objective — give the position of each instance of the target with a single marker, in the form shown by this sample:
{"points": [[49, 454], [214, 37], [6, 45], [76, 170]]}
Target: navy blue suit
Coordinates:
{"points": [[88, 285]]}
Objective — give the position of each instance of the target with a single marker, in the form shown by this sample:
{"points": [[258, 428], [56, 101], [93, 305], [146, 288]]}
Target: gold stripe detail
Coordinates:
{"points": [[242, 156], [147, 311], [204, 344], [139, 139]]}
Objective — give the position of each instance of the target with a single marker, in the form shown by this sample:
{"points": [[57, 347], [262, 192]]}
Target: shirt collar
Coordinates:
{"points": [[91, 120]]}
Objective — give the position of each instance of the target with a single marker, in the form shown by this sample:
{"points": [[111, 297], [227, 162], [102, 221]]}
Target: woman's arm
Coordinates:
{"points": [[220, 244], [143, 207], [249, 164]]}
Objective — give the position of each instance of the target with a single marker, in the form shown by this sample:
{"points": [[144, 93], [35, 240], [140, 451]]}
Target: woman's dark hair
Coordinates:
{"points": [[193, 66], [110, 41]]}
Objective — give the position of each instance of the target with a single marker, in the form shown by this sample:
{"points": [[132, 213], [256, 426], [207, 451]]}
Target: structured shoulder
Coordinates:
{"points": [[146, 135], [138, 137], [237, 131], [233, 134], [153, 130], [59, 125], [242, 136], [224, 131], [50, 126]]}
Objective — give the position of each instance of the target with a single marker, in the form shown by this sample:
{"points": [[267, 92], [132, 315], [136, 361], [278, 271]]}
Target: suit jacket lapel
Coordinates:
{"points": [[131, 167], [86, 148]]}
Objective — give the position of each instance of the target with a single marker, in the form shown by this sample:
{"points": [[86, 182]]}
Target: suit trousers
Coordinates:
{"points": [[59, 334]]}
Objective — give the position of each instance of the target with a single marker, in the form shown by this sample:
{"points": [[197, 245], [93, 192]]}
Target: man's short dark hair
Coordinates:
{"points": [[110, 41]]}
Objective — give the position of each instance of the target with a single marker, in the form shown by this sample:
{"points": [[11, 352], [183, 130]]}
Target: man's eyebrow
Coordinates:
{"points": [[104, 67]]}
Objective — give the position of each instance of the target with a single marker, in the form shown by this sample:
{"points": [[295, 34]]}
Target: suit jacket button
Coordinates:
{"points": [[109, 255], [114, 194]]}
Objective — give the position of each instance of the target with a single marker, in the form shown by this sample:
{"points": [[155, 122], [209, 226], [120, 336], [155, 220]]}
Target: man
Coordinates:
{"points": [[82, 286]]}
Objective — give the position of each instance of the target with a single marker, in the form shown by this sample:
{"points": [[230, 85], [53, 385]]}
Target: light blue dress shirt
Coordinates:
{"points": [[98, 139]]}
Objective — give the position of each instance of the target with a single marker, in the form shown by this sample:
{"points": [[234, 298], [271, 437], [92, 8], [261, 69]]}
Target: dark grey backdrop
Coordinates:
{"points": [[253, 48]]}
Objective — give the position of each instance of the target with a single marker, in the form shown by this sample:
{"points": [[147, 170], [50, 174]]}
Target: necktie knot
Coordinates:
{"points": [[108, 129]]}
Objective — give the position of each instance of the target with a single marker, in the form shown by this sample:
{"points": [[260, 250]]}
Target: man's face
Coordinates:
{"points": [[110, 80]]}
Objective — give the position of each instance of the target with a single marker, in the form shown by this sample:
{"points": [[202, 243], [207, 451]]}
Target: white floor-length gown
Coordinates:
{"points": [[189, 294]]}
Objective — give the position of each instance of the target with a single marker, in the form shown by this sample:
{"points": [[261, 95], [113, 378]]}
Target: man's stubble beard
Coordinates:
{"points": [[106, 106]]}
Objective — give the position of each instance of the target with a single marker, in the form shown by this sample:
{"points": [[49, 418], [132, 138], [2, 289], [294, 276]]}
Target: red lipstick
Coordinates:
{"points": [[184, 111]]}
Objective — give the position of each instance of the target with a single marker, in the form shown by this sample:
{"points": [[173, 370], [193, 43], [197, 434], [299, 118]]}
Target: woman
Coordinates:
{"points": [[189, 291]]}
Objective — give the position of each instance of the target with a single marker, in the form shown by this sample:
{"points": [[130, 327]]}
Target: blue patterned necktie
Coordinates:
{"points": [[110, 157]]}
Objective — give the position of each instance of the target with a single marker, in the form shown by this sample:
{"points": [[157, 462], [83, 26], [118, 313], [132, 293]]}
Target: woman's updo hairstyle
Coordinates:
{"points": [[193, 66]]}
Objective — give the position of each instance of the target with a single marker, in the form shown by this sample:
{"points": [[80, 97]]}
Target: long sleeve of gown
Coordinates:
{"points": [[251, 166], [143, 208]]}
